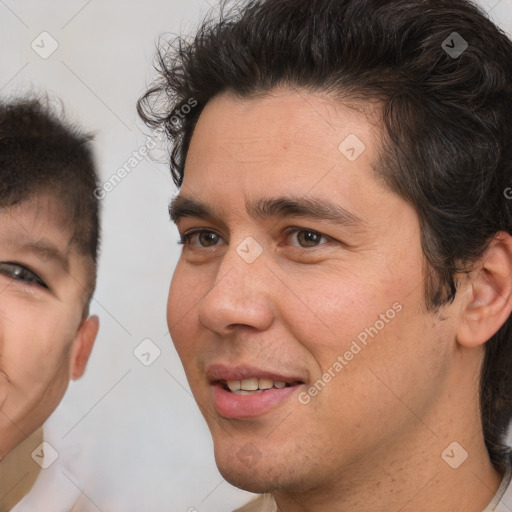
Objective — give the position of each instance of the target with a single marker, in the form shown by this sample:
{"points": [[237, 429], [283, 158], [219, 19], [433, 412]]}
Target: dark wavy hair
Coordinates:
{"points": [[41, 152], [447, 142]]}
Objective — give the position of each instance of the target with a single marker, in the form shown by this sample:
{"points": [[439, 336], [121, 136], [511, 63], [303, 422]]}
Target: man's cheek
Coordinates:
{"points": [[176, 299], [186, 341], [182, 307]]}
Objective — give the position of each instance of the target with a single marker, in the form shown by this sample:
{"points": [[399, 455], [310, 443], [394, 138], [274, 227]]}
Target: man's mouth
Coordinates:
{"points": [[254, 385], [247, 392]]}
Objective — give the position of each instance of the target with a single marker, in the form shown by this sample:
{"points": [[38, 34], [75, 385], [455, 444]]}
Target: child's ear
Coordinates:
{"points": [[489, 294], [82, 346]]}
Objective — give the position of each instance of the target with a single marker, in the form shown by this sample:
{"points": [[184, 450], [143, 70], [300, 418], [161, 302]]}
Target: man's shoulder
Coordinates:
{"points": [[263, 503]]}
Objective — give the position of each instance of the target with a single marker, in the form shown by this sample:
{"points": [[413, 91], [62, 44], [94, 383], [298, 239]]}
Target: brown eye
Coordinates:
{"points": [[200, 239], [308, 238], [208, 239]]}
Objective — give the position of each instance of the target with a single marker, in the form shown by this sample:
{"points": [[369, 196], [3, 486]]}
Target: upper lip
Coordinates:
{"points": [[224, 372]]}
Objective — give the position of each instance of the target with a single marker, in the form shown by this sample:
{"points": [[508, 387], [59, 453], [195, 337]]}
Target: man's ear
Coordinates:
{"points": [[489, 294], [82, 346]]}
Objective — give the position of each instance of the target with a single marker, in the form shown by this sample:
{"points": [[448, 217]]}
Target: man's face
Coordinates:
{"points": [[42, 299], [301, 270]]}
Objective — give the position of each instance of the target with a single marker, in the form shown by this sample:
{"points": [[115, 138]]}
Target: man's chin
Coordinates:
{"points": [[247, 481], [247, 468]]}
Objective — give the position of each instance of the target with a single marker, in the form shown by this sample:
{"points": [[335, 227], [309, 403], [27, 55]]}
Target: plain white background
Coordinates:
{"points": [[143, 443]]}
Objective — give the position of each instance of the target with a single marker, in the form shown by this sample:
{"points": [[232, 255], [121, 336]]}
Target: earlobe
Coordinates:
{"points": [[82, 346], [489, 294]]}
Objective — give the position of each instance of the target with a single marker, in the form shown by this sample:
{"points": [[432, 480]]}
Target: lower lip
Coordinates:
{"points": [[231, 405]]}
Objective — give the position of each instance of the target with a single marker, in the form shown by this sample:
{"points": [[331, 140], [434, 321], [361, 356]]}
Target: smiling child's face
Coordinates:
{"points": [[45, 335]]}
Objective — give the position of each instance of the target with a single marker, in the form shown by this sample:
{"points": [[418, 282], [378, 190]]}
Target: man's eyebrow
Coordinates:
{"points": [[310, 207], [181, 207], [314, 208]]}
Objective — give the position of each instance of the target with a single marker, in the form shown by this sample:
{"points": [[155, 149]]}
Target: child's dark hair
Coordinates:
{"points": [[447, 143], [42, 153]]}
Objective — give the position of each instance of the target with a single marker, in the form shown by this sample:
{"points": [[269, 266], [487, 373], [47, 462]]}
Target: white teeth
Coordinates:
{"points": [[247, 386], [265, 383], [243, 392], [234, 385]]}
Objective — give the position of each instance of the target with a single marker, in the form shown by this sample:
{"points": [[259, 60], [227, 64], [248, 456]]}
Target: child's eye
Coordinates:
{"points": [[21, 273]]}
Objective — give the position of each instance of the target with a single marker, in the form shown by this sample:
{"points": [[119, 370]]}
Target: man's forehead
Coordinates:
{"points": [[256, 156], [292, 139], [348, 106]]}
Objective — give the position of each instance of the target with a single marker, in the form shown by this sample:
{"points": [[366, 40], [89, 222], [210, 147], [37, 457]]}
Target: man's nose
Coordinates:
{"points": [[241, 294]]}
